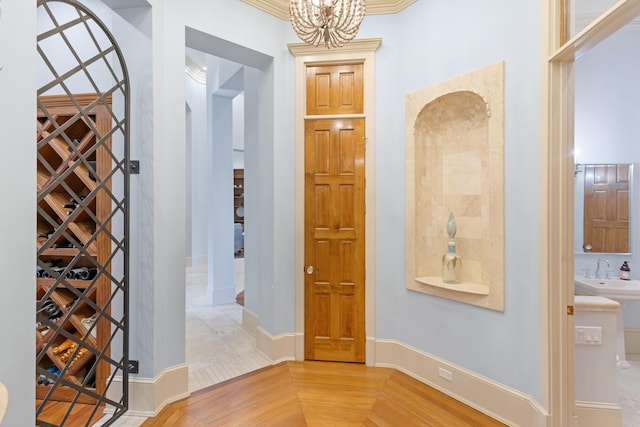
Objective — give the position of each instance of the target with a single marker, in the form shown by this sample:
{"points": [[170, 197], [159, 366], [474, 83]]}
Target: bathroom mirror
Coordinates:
{"points": [[602, 207]]}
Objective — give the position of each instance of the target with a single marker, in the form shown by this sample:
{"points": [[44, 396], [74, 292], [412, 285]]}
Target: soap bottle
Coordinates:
{"points": [[625, 271]]}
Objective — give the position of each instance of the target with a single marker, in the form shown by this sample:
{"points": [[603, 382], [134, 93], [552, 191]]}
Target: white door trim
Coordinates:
{"points": [[557, 260], [356, 50]]}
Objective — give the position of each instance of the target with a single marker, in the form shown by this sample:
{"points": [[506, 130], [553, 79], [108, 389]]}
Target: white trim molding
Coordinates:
{"points": [[280, 8], [632, 340], [358, 46], [359, 50], [487, 396], [493, 399], [148, 396], [193, 70], [556, 210], [277, 348], [582, 20], [593, 414]]}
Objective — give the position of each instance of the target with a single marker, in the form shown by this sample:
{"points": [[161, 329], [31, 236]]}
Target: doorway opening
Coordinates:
{"points": [[218, 346], [562, 264], [605, 209]]}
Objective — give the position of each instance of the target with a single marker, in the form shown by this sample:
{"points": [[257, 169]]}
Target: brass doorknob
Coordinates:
{"points": [[310, 269]]}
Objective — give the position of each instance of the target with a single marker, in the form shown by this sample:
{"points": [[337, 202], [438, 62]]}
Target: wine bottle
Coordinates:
{"points": [[62, 245], [83, 273], [47, 234]]}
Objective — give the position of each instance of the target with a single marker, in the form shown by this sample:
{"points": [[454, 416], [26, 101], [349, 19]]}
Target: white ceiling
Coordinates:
{"points": [[280, 8]]}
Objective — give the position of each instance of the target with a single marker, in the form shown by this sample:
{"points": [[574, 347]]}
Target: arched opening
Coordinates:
{"points": [[83, 172]]}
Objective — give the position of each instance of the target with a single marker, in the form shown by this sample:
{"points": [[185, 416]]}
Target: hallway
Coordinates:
{"points": [[217, 347]]}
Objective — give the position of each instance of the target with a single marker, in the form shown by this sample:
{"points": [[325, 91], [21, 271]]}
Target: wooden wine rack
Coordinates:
{"points": [[72, 168]]}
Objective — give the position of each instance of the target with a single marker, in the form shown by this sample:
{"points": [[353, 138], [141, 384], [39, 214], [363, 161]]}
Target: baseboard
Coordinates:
{"points": [[299, 347], [277, 348], [370, 352], [249, 321], [148, 396], [498, 401], [632, 340], [592, 414]]}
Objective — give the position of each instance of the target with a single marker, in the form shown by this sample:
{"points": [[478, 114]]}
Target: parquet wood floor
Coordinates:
{"points": [[320, 394], [55, 413]]}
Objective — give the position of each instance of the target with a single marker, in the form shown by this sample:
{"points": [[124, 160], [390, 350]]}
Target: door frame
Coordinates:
{"points": [[362, 50], [557, 162]]}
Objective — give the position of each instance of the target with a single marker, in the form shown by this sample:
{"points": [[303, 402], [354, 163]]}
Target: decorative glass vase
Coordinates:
{"points": [[451, 262], [451, 267]]}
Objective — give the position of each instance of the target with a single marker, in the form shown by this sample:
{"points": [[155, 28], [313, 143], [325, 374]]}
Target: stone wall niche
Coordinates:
{"points": [[455, 164]]}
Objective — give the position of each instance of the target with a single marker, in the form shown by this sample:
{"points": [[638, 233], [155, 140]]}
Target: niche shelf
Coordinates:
{"points": [[464, 287], [455, 164]]}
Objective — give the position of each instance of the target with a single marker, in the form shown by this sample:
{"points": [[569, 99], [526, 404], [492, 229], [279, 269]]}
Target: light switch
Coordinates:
{"points": [[590, 335]]}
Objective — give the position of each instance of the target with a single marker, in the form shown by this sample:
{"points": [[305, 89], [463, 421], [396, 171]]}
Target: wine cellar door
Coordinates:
{"points": [[81, 372]]}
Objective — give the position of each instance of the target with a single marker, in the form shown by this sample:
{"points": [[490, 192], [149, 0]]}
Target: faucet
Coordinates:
{"points": [[598, 267]]}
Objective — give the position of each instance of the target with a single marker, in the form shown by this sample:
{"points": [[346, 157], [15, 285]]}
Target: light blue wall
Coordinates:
{"points": [[197, 169], [221, 287], [17, 212], [427, 43], [606, 131], [223, 37], [132, 29]]}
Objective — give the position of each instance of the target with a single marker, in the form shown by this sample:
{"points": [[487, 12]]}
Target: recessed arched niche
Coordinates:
{"points": [[455, 165]]}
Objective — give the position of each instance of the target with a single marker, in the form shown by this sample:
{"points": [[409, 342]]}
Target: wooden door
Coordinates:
{"points": [[606, 208], [334, 240], [335, 89]]}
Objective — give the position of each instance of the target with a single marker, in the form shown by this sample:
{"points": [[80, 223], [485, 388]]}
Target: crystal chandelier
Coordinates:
{"points": [[334, 22]]}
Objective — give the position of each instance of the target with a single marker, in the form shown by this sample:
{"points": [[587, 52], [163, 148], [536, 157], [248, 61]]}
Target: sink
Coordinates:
{"points": [[616, 289]]}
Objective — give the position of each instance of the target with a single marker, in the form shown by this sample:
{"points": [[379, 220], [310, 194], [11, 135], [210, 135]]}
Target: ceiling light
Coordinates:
{"points": [[334, 22]]}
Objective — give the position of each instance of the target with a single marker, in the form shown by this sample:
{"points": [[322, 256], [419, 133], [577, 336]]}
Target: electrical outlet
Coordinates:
{"points": [[133, 366], [447, 375]]}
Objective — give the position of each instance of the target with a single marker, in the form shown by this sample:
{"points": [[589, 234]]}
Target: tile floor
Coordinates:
{"points": [[218, 348], [629, 391]]}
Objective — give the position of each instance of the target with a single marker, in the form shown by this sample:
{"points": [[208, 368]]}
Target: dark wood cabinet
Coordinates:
{"points": [[238, 196]]}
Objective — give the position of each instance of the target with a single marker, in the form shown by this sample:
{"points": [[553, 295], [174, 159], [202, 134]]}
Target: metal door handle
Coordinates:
{"points": [[310, 269]]}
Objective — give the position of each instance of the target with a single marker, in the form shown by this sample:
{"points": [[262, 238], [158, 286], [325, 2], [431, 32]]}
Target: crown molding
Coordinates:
{"points": [[280, 8], [194, 71]]}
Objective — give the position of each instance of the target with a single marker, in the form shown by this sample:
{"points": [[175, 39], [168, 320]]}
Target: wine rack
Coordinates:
{"points": [[73, 248]]}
